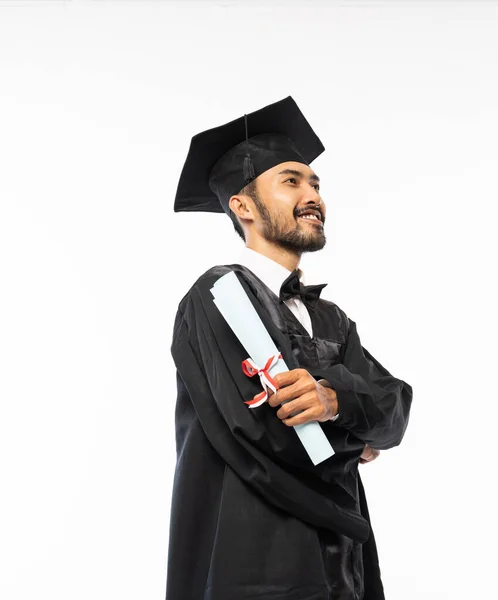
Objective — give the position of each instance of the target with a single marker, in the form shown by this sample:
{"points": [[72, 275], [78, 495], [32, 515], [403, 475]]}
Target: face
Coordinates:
{"points": [[289, 216]]}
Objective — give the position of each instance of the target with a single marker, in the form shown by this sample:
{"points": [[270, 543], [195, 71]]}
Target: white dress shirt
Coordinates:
{"points": [[273, 274]]}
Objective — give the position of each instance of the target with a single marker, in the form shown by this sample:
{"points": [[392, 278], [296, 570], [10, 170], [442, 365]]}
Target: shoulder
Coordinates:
{"points": [[336, 314], [201, 287], [333, 308]]}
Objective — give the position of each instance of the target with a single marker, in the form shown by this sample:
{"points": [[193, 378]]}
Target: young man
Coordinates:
{"points": [[252, 517]]}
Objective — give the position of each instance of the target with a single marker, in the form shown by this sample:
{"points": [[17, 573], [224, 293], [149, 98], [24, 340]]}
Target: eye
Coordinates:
{"points": [[317, 187], [291, 179]]}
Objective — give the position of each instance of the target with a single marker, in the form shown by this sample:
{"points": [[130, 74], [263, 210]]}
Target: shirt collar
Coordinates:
{"points": [[271, 273]]}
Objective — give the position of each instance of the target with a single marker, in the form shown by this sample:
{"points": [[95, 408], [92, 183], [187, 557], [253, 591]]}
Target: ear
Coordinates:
{"points": [[242, 206]]}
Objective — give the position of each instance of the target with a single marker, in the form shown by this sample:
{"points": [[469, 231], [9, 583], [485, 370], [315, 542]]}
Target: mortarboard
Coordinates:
{"points": [[223, 160]]}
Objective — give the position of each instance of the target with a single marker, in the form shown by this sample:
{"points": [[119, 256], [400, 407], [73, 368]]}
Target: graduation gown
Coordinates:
{"points": [[251, 517]]}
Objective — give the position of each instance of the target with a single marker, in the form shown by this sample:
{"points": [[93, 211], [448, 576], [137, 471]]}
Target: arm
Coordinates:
{"points": [[254, 444], [372, 404]]}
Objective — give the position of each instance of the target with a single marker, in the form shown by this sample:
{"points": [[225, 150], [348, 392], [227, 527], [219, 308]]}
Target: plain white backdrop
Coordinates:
{"points": [[98, 103]]}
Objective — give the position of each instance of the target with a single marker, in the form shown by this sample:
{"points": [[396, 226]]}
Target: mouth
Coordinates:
{"points": [[312, 216]]}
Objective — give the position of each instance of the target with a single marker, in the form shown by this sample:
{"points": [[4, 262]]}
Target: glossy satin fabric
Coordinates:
{"points": [[292, 287], [251, 517], [341, 557]]}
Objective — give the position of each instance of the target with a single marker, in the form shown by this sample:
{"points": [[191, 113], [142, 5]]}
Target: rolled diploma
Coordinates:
{"points": [[236, 308]]}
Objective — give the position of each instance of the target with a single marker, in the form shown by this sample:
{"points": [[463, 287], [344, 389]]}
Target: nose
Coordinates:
{"points": [[315, 199], [313, 195]]}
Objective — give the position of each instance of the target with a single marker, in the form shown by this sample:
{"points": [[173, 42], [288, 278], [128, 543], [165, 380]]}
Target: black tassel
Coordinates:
{"points": [[248, 166], [248, 169]]}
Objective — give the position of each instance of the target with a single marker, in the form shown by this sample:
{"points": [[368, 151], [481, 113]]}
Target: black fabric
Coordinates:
{"points": [[292, 287], [372, 582], [213, 170], [251, 517]]}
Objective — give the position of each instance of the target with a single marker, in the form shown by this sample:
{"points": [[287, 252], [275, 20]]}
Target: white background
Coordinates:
{"points": [[98, 103]]}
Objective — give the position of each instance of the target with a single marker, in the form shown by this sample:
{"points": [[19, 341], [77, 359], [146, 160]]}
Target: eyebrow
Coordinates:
{"points": [[312, 177]]}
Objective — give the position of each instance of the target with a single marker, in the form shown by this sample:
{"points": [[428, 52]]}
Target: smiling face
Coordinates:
{"points": [[286, 208]]}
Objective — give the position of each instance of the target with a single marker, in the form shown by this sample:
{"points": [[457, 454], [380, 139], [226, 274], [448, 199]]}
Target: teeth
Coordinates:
{"points": [[309, 217]]}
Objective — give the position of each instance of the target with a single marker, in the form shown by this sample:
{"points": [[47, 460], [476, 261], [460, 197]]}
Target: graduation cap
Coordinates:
{"points": [[223, 160]]}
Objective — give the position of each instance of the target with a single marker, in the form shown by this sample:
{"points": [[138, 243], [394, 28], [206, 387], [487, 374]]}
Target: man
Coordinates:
{"points": [[252, 517]]}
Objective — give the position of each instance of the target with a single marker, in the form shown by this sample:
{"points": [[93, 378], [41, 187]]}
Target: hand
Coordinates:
{"points": [[368, 454], [304, 395]]}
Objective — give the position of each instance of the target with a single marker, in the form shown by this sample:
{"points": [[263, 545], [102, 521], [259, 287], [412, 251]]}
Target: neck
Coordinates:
{"points": [[283, 256]]}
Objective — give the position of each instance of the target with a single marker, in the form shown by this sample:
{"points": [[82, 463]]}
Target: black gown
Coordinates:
{"points": [[251, 517]]}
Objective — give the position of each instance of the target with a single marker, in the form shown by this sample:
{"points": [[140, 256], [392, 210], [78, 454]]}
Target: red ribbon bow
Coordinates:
{"points": [[250, 369]]}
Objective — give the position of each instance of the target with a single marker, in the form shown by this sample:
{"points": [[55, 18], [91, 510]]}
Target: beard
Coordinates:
{"points": [[297, 239]]}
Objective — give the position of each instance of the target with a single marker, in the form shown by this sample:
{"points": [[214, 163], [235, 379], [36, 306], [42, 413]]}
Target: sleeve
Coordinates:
{"points": [[372, 404], [242, 437]]}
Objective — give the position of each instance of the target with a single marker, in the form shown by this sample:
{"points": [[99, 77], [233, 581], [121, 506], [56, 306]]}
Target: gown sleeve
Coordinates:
{"points": [[372, 404], [254, 444]]}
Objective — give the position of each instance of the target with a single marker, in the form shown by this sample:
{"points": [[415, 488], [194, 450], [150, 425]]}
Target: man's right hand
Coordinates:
{"points": [[368, 454]]}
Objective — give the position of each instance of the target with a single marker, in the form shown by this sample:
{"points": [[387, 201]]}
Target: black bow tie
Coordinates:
{"points": [[293, 287]]}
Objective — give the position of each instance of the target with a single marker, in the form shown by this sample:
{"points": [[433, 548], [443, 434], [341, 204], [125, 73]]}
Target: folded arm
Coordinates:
{"points": [[258, 449], [372, 404]]}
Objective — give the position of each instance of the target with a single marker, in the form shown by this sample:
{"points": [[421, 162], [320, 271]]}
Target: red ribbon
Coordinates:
{"points": [[267, 381]]}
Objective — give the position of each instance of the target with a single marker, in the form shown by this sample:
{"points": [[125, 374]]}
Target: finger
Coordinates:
{"points": [[365, 460], [294, 406], [366, 451], [293, 391], [288, 377], [370, 457], [303, 417], [273, 398], [376, 454]]}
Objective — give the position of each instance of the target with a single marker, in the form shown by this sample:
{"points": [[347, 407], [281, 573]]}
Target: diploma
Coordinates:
{"points": [[238, 311]]}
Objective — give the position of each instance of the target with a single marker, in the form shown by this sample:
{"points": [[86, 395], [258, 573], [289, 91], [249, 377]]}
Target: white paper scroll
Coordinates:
{"points": [[238, 311]]}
